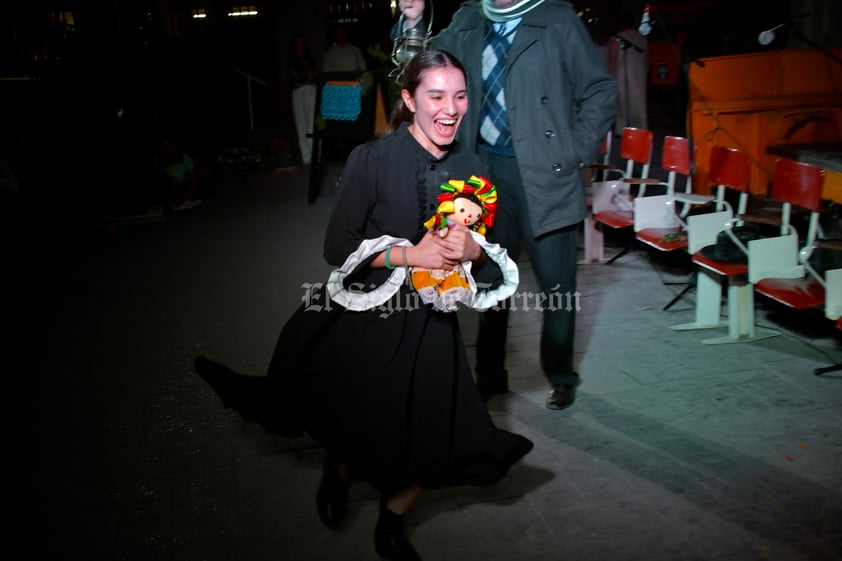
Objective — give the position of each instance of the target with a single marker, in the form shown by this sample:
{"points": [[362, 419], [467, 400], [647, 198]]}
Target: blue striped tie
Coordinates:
{"points": [[494, 122]]}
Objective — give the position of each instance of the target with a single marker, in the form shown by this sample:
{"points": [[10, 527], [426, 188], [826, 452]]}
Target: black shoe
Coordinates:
{"points": [[389, 539], [332, 496], [561, 396]]}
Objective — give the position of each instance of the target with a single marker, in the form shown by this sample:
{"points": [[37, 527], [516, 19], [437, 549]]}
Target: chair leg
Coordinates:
{"points": [[823, 369], [678, 296], [741, 327], [618, 255], [629, 233], [708, 303], [593, 241]]}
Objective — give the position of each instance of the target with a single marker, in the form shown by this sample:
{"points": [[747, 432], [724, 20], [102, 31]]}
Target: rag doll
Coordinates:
{"points": [[470, 203]]}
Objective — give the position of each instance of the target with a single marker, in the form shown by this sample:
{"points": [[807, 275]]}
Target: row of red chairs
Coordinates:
{"points": [[776, 266], [619, 198]]}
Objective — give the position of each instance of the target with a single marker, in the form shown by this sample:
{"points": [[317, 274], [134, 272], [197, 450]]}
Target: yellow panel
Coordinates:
{"points": [[832, 187]]}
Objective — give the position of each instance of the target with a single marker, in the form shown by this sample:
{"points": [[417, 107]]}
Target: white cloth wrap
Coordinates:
{"points": [[358, 301]]}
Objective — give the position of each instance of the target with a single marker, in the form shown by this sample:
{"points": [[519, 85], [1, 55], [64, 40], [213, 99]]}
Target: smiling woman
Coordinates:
{"points": [[433, 103], [391, 396]]}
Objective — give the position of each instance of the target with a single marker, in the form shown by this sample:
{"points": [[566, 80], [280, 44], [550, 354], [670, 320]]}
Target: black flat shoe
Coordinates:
{"points": [[389, 539], [561, 396], [332, 496]]}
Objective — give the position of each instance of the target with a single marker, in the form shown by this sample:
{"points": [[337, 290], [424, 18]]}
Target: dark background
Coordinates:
{"points": [[88, 88]]}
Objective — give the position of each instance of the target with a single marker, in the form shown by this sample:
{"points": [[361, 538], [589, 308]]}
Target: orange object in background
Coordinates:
{"points": [[753, 101]]}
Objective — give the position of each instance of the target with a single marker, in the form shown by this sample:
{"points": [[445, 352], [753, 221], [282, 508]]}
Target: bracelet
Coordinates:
{"points": [[388, 264]]}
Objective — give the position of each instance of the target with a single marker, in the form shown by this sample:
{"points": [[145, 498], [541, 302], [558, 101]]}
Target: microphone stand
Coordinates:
{"points": [[625, 45], [686, 61]]}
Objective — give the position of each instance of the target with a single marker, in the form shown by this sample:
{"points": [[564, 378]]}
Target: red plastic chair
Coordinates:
{"points": [[613, 205], [599, 171], [799, 286], [659, 220], [730, 169]]}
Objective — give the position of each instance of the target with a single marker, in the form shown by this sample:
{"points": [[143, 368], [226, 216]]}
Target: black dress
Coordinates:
{"points": [[389, 391]]}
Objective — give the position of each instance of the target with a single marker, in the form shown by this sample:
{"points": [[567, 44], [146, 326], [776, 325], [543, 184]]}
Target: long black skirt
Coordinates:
{"points": [[389, 392]]}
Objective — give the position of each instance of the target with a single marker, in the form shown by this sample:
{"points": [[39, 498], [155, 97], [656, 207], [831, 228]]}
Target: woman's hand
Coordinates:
{"points": [[457, 243], [432, 253]]}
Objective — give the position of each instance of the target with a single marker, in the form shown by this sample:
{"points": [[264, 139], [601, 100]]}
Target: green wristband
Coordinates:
{"points": [[388, 264]]}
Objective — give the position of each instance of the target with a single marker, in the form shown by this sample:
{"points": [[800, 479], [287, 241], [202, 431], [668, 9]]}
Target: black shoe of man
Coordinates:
{"points": [[561, 396]]}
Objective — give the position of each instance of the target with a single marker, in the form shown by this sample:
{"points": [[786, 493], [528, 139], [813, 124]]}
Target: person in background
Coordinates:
{"points": [[412, 17], [390, 395], [303, 71], [542, 100], [180, 175], [343, 56]]}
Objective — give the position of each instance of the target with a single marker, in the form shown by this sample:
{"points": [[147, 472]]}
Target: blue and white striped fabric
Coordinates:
{"points": [[494, 122]]}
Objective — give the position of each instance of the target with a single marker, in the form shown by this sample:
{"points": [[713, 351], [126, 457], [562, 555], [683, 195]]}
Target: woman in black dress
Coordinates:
{"points": [[389, 391]]}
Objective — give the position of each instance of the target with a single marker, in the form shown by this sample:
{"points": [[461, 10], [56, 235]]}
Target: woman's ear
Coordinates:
{"points": [[408, 100]]}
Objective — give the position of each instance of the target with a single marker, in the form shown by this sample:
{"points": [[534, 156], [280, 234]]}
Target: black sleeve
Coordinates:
{"points": [[354, 200]]}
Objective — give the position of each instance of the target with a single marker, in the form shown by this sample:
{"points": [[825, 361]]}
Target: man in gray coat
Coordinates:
{"points": [[541, 100]]}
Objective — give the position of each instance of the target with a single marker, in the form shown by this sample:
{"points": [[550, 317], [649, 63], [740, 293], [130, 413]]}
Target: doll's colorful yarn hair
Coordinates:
{"points": [[478, 189]]}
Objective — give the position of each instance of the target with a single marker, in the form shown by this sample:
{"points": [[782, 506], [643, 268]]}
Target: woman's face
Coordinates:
{"points": [[412, 9], [439, 102]]}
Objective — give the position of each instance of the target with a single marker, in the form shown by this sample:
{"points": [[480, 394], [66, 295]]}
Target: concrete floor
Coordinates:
{"points": [[674, 451]]}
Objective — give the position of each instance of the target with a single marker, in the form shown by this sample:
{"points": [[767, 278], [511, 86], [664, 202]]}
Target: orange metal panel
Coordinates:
{"points": [[833, 187], [757, 100]]}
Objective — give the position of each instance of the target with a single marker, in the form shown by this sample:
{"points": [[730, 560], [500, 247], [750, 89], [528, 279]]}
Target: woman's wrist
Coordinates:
{"points": [[392, 259], [387, 261], [480, 258]]}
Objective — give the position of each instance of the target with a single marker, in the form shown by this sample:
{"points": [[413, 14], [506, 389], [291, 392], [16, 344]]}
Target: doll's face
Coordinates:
{"points": [[465, 212]]}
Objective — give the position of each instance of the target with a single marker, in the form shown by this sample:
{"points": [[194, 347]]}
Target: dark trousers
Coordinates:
{"points": [[554, 260]]}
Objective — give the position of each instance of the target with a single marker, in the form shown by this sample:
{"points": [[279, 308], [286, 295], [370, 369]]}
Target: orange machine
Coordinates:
{"points": [[756, 101]]}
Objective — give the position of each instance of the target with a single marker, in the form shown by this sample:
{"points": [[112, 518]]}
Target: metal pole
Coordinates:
{"points": [[251, 110]]}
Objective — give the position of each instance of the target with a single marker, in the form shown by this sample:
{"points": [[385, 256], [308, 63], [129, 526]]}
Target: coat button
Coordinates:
{"points": [[432, 166], [544, 100], [549, 134], [556, 167]]}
